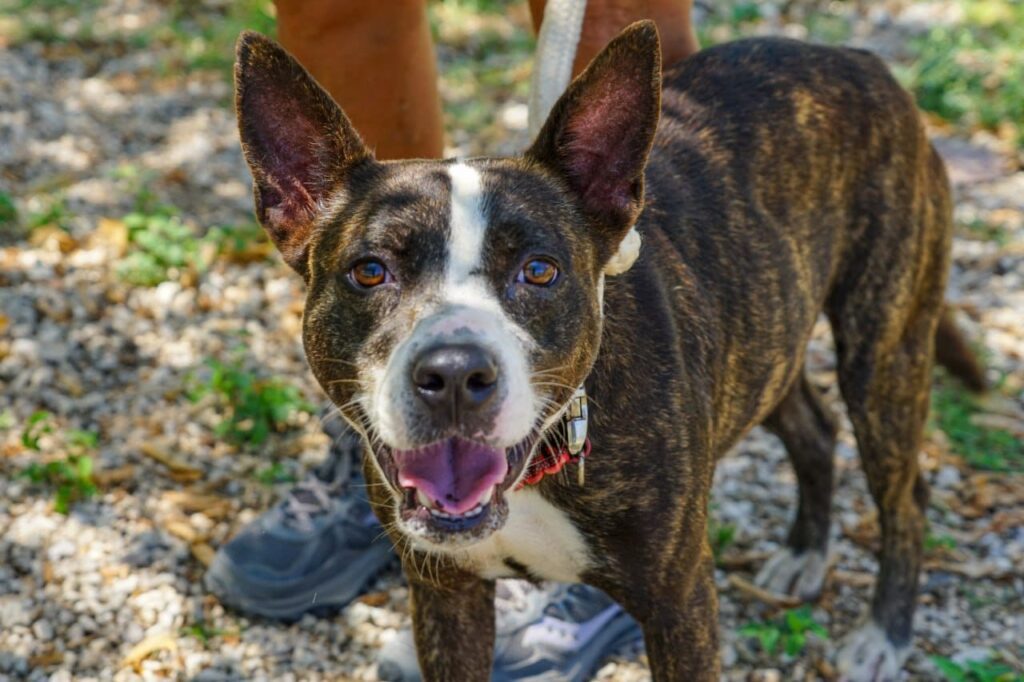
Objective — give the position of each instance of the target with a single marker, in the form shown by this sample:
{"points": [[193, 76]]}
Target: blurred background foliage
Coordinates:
{"points": [[964, 62]]}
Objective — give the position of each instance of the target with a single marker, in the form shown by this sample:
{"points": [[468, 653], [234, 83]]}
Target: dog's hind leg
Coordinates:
{"points": [[884, 312], [807, 427], [886, 390]]}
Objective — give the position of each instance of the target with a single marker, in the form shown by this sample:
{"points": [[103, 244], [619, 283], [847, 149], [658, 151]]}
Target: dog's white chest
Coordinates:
{"points": [[537, 535]]}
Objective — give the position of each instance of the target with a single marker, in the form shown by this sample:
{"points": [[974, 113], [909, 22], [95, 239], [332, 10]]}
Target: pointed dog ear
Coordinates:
{"points": [[297, 141], [599, 133]]}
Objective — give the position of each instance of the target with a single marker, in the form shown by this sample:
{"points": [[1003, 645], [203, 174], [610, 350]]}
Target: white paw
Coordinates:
{"points": [[867, 655], [801, 575]]}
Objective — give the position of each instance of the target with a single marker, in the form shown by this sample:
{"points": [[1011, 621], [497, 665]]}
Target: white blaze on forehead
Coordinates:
{"points": [[467, 309], [468, 225]]}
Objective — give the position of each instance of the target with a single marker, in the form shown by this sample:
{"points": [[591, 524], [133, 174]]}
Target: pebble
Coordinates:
{"points": [[43, 630]]}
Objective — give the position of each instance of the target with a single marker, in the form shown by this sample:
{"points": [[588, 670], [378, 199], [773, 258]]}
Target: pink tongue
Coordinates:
{"points": [[453, 473]]}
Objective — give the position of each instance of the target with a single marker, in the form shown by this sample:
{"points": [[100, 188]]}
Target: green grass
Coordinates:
{"points": [[720, 535], [253, 407], [71, 475], [205, 39], [790, 631], [54, 212], [38, 425], [985, 231], [972, 73], [981, 448], [940, 541], [161, 246], [989, 670], [274, 474], [240, 243], [8, 211], [202, 632]]}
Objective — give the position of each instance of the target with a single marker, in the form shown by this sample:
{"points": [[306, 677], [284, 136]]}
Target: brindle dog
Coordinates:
{"points": [[454, 307]]}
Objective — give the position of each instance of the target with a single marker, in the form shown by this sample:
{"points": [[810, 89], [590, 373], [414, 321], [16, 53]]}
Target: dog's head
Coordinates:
{"points": [[453, 307]]}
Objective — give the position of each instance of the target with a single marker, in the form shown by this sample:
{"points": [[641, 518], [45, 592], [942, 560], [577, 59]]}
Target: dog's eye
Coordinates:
{"points": [[370, 273], [538, 272]]}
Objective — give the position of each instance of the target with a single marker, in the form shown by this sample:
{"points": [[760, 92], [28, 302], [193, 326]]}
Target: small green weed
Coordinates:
{"points": [[139, 182], [942, 541], [71, 475], [161, 246], [202, 632], [790, 631], [8, 211], [242, 243], [37, 425], [982, 448], [973, 73], [54, 212], [274, 474], [206, 40], [254, 407], [976, 671], [986, 231], [720, 536]]}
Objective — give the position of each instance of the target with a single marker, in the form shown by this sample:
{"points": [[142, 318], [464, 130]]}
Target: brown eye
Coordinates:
{"points": [[370, 273], [538, 272]]}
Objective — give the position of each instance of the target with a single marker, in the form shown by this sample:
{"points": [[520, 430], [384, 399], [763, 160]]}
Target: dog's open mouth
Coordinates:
{"points": [[456, 485]]}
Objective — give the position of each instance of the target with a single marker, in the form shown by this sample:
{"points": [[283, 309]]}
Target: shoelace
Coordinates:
{"points": [[307, 499], [322, 491]]}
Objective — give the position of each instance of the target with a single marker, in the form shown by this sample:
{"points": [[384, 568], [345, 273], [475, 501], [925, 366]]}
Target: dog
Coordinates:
{"points": [[663, 248]]}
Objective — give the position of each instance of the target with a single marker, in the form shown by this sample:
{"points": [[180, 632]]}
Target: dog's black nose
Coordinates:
{"points": [[455, 378]]}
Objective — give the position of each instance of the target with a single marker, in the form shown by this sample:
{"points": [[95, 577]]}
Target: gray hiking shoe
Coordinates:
{"points": [[315, 551], [556, 634]]}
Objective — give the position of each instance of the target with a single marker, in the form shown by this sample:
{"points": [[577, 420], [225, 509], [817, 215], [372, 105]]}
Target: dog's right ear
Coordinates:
{"points": [[297, 141]]}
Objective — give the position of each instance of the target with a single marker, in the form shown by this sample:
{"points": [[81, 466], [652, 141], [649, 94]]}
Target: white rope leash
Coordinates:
{"points": [[552, 72], [556, 50]]}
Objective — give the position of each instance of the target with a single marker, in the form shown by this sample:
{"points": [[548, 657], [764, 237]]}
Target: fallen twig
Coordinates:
{"points": [[781, 601]]}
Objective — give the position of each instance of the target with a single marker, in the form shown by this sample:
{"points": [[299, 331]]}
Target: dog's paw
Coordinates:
{"points": [[801, 575], [867, 655]]}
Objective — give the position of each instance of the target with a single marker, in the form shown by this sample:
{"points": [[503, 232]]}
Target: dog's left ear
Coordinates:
{"points": [[600, 132], [297, 141]]}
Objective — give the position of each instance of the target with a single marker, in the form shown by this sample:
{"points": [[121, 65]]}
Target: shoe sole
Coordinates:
{"points": [[250, 598]]}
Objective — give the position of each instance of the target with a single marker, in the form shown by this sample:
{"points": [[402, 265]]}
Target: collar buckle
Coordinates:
{"points": [[576, 422]]}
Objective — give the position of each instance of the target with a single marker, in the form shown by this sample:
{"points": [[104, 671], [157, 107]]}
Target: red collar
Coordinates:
{"points": [[550, 460]]}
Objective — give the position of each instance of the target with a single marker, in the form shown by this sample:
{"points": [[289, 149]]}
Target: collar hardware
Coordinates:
{"points": [[549, 459]]}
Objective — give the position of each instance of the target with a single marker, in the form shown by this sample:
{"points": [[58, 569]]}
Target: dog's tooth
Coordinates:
{"points": [[486, 497], [422, 498]]}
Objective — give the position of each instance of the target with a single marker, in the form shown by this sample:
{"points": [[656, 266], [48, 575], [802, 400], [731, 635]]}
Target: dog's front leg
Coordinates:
{"points": [[453, 625], [680, 624]]}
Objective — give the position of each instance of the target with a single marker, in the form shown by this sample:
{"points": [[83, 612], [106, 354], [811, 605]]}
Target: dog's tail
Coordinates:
{"points": [[954, 353]]}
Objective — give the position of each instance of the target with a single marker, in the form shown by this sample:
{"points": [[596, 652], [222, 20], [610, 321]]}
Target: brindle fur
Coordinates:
{"points": [[785, 180]]}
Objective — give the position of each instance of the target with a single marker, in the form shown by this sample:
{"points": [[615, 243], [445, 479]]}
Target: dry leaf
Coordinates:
{"points": [[46, 659], [176, 465], [111, 235], [148, 646], [52, 238], [203, 553], [108, 477], [181, 529], [376, 599], [213, 506]]}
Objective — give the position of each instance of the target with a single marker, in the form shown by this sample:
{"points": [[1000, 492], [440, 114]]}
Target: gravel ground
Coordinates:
{"points": [[97, 124]]}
